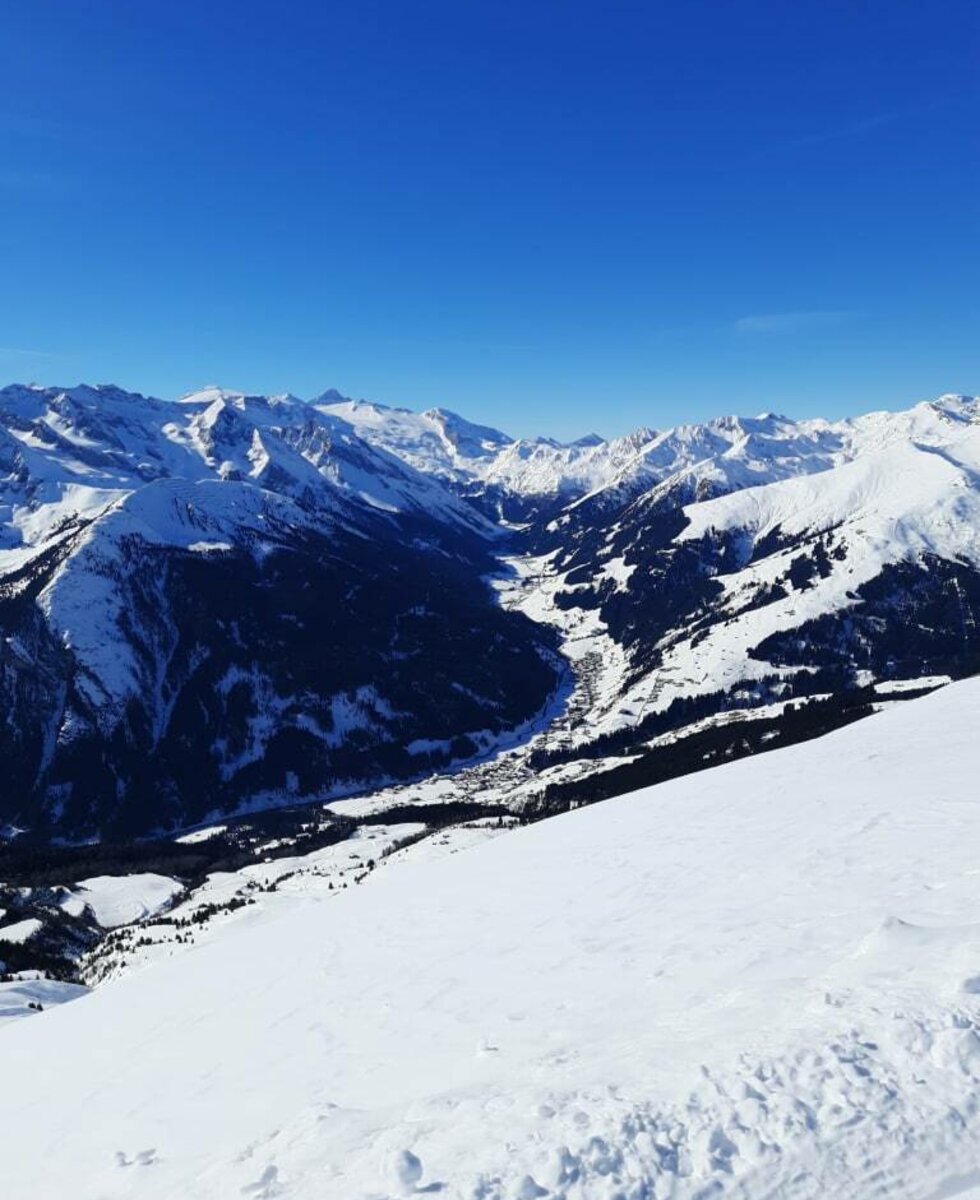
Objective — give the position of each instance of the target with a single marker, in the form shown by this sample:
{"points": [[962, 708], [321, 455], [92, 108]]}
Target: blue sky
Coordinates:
{"points": [[549, 215]]}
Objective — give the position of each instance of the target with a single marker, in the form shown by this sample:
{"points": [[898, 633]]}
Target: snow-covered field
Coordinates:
{"points": [[759, 981], [123, 899]]}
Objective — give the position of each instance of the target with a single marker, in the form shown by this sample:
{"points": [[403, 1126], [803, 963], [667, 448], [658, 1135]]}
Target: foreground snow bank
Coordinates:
{"points": [[761, 981]]}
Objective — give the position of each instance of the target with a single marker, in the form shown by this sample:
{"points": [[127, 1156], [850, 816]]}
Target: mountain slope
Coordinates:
{"points": [[835, 569], [756, 981], [233, 602]]}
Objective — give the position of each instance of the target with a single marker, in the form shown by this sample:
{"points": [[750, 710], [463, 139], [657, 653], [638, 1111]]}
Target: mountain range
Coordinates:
{"points": [[227, 603]]}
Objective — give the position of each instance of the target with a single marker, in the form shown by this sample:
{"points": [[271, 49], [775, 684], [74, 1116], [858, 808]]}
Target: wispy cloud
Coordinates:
{"points": [[854, 130], [23, 352], [791, 322]]}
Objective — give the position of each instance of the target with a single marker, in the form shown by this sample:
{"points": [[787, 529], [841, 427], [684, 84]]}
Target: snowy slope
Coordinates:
{"points": [[900, 504], [24, 997], [760, 981], [121, 900], [436, 441]]}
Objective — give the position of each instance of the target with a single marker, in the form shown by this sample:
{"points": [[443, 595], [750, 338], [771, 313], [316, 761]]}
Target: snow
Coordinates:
{"points": [[201, 835], [903, 497], [123, 899], [890, 687], [618, 571], [757, 981], [73, 905], [258, 891], [18, 932], [732, 453], [19, 994], [887, 488]]}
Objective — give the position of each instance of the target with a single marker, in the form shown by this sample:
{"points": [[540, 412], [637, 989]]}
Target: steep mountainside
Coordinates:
{"points": [[233, 602]]}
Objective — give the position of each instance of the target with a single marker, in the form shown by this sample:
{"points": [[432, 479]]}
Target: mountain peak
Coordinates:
{"points": [[208, 394], [469, 438], [332, 396]]}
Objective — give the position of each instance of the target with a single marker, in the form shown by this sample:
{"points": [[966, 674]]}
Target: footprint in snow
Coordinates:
{"points": [[142, 1158], [405, 1170], [264, 1188], [530, 1189]]}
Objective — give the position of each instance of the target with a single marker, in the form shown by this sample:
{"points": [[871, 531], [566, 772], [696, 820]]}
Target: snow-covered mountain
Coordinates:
{"points": [[510, 479], [815, 559], [228, 602], [758, 981], [233, 601]]}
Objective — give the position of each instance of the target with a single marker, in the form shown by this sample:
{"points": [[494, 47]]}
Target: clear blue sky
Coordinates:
{"points": [[551, 215]]}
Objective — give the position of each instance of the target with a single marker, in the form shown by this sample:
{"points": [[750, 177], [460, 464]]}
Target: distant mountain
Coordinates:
{"points": [[230, 602], [505, 477]]}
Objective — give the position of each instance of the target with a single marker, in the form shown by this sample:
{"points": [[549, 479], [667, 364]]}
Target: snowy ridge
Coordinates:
{"points": [[443, 444], [733, 453], [436, 441], [759, 981], [103, 438], [729, 452], [893, 505]]}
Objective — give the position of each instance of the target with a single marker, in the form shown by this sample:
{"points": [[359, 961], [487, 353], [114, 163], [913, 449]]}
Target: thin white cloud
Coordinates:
{"points": [[22, 352], [854, 130], [791, 322]]}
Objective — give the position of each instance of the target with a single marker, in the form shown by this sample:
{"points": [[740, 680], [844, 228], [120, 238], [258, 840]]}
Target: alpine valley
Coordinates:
{"points": [[233, 603]]}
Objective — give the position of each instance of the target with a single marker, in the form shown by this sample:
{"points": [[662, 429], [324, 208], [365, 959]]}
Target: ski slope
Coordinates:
{"points": [[762, 981]]}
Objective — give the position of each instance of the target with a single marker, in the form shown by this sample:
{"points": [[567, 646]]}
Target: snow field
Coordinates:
{"points": [[759, 981]]}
